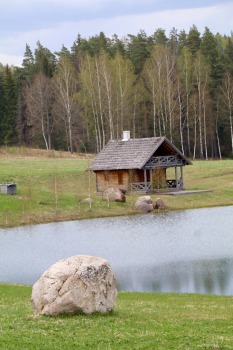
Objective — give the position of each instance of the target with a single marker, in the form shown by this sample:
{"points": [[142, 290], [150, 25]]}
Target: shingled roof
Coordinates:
{"points": [[130, 154]]}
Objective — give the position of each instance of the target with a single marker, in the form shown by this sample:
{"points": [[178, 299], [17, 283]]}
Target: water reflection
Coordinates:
{"points": [[207, 276], [186, 251]]}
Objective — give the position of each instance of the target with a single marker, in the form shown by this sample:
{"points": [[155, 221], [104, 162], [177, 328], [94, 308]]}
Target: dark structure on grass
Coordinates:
{"points": [[8, 188], [139, 165]]}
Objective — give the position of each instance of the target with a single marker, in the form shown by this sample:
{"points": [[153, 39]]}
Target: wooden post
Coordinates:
{"points": [[176, 177], [151, 179], [181, 177], [145, 179], [97, 183]]}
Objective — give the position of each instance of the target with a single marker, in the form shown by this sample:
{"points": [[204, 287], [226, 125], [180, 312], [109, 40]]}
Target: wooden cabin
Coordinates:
{"points": [[139, 165]]}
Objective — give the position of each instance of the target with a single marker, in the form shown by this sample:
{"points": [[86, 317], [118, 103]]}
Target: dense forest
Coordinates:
{"points": [[180, 86]]}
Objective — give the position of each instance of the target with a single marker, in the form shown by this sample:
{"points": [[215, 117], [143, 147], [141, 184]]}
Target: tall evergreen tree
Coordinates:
{"points": [[28, 64], [173, 40], [193, 41], [229, 55], [8, 108], [182, 39], [138, 50], [117, 46], [64, 52], [80, 45], [159, 37], [98, 43], [45, 61], [209, 48]]}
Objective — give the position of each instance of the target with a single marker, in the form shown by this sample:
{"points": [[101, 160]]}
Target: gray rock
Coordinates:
{"points": [[159, 204], [144, 204], [79, 284], [114, 195]]}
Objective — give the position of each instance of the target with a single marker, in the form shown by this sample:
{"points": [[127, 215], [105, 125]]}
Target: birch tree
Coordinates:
{"points": [[105, 90], [40, 98], [91, 98], [171, 94], [65, 82], [152, 73], [201, 79], [185, 67], [124, 88], [159, 73]]}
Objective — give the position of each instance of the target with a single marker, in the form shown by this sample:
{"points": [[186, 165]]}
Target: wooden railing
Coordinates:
{"points": [[146, 187], [140, 187]]}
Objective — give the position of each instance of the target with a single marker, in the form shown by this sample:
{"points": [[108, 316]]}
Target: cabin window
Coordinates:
{"points": [[120, 178]]}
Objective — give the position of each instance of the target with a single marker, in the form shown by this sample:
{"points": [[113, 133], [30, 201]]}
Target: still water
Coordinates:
{"points": [[187, 251]]}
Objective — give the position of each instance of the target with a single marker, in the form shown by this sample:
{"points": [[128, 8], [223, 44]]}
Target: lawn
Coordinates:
{"points": [[140, 321]]}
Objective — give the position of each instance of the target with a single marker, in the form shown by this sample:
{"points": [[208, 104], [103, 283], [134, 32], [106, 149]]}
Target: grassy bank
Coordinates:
{"points": [[52, 185], [140, 321]]}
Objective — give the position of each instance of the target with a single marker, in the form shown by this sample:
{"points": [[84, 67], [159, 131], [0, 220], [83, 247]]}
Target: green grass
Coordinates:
{"points": [[51, 186], [140, 321]]}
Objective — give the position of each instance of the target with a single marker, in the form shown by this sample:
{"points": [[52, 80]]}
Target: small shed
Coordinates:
{"points": [[139, 165], [8, 188]]}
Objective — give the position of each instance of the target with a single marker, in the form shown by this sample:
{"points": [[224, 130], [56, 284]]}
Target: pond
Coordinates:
{"points": [[187, 251]]}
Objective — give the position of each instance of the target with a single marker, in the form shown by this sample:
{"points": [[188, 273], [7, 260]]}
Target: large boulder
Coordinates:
{"points": [[79, 284], [114, 195], [144, 204]]}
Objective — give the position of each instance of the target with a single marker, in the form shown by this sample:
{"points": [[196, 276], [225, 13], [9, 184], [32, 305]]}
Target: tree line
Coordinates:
{"points": [[180, 86]]}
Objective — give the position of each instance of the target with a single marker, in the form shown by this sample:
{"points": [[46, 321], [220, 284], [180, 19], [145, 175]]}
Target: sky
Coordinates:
{"points": [[58, 22]]}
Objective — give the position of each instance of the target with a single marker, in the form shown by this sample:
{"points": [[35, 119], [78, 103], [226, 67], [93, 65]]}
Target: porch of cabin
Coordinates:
{"points": [[154, 176], [155, 180]]}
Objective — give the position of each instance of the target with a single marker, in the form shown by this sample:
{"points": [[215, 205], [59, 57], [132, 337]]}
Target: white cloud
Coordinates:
{"points": [[214, 17], [217, 18], [11, 60]]}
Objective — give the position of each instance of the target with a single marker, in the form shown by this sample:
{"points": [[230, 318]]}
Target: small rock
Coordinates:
{"points": [[144, 204], [159, 203], [114, 194], [87, 200]]}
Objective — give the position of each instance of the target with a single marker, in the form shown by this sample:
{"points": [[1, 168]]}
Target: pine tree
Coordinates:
{"points": [[193, 41], [209, 48], [45, 61], [28, 64], [173, 40], [8, 108], [229, 55], [159, 37], [182, 39], [138, 50]]}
